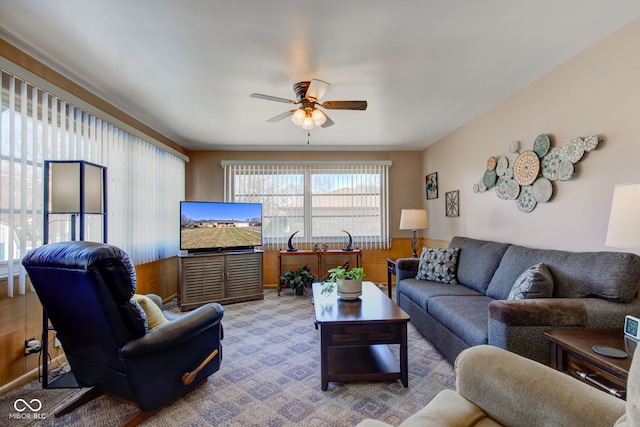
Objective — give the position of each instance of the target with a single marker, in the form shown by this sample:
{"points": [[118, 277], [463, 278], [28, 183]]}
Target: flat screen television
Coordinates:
{"points": [[219, 226]]}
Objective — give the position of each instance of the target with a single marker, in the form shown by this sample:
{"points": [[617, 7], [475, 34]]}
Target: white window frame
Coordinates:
{"points": [[368, 204]]}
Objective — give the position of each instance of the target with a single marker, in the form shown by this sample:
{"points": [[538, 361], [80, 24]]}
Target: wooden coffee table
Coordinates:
{"points": [[355, 337]]}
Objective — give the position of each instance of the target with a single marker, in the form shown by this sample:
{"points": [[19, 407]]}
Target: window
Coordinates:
{"points": [[319, 201], [144, 183]]}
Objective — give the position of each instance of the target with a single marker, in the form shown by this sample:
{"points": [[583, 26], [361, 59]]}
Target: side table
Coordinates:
{"points": [[572, 352], [391, 271]]}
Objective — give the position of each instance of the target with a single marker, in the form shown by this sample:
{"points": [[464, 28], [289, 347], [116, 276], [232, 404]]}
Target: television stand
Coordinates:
{"points": [[222, 277]]}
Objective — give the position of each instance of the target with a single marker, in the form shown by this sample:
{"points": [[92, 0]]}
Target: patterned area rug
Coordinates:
{"points": [[270, 376]]}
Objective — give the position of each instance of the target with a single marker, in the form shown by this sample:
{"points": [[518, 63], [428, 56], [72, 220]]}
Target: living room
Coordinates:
{"points": [[591, 93]]}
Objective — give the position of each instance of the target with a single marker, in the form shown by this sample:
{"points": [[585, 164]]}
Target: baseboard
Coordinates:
{"points": [[31, 375]]}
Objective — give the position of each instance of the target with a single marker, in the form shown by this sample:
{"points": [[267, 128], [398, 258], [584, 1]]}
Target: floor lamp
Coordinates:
{"points": [[414, 219], [76, 188]]}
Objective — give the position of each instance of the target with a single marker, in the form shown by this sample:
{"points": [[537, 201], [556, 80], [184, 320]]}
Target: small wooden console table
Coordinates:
{"points": [[318, 257]]}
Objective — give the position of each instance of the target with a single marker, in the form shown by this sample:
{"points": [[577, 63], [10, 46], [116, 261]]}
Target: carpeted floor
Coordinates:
{"points": [[270, 376]]}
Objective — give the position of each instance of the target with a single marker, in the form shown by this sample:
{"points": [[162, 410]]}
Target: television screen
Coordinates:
{"points": [[208, 226]]}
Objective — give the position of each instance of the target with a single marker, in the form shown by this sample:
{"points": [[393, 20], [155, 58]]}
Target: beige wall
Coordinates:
{"points": [[596, 92], [204, 175]]}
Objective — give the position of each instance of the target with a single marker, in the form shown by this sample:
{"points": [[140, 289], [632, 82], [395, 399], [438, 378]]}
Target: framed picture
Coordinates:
{"points": [[452, 203], [431, 185]]}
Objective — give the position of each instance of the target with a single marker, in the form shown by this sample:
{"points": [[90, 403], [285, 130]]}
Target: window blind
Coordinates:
{"points": [[145, 183]]}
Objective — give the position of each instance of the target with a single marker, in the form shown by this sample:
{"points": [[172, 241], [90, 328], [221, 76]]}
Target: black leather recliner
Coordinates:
{"points": [[86, 288]]}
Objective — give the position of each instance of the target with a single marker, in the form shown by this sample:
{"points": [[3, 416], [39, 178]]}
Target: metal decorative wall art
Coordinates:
{"points": [[452, 203], [527, 176]]}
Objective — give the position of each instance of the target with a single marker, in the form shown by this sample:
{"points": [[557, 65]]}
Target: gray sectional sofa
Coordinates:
{"points": [[590, 290]]}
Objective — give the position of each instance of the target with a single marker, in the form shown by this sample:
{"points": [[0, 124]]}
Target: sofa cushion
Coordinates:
{"points": [[477, 261], [438, 265], [419, 291], [613, 276], [535, 282], [466, 316]]}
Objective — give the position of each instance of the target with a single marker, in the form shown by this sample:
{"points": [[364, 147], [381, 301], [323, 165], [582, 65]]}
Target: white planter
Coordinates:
{"points": [[349, 289]]}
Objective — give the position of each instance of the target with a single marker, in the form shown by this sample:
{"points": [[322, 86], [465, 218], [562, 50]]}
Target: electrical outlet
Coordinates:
{"points": [[31, 346]]}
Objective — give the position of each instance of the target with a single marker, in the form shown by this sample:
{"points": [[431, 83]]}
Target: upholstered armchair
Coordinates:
{"points": [[112, 344], [495, 387]]}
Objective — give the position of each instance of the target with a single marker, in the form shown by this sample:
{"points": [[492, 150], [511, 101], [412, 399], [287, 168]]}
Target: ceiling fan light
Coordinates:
{"points": [[307, 123], [318, 117], [298, 116]]}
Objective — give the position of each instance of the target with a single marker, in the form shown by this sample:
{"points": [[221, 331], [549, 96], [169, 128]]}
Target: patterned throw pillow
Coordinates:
{"points": [[535, 282], [438, 265]]}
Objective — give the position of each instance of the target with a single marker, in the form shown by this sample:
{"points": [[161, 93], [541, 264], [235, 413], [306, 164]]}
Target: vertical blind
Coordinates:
{"points": [[144, 183], [319, 201]]}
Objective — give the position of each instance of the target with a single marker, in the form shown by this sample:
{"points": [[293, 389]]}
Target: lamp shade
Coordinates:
{"points": [[413, 219], [74, 183], [623, 230]]}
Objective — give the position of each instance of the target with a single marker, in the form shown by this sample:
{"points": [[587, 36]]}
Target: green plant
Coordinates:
{"points": [[341, 273], [297, 280]]}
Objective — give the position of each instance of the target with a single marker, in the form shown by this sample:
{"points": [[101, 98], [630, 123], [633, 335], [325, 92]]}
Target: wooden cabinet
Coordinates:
{"points": [[224, 278]]}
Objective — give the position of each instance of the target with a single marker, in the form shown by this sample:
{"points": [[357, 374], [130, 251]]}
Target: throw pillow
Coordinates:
{"points": [[155, 317], [535, 282], [438, 265]]}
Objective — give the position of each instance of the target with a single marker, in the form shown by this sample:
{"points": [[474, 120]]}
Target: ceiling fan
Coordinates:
{"points": [[308, 96]]}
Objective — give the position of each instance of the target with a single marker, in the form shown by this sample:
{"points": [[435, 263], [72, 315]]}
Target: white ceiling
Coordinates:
{"points": [[186, 68]]}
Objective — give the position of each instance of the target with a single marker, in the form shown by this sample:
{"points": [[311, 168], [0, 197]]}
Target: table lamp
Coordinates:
{"points": [[623, 230], [414, 219]]}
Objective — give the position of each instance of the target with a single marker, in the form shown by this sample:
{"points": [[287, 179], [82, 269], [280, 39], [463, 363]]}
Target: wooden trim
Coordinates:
{"points": [[29, 376], [31, 64]]}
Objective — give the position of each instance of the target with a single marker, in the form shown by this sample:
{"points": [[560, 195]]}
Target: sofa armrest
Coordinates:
{"points": [[556, 312], [513, 390], [406, 268]]}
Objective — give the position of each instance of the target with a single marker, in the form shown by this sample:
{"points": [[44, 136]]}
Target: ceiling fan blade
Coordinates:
{"points": [[317, 89], [281, 116], [345, 105], [272, 98], [328, 123]]}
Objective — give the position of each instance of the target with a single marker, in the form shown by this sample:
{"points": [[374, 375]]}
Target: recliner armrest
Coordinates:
{"points": [[514, 390], [539, 312], [175, 332]]}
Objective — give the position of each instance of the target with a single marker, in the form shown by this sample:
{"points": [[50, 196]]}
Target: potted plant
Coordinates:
{"points": [[348, 282], [297, 280]]}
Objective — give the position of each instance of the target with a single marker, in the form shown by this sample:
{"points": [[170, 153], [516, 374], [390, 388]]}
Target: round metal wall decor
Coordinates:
{"points": [[491, 163], [489, 178], [502, 164], [526, 168], [526, 177], [541, 145], [542, 190], [525, 200], [573, 150]]}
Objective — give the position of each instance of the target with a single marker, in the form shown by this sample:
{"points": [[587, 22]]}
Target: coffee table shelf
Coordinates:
{"points": [[370, 363]]}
